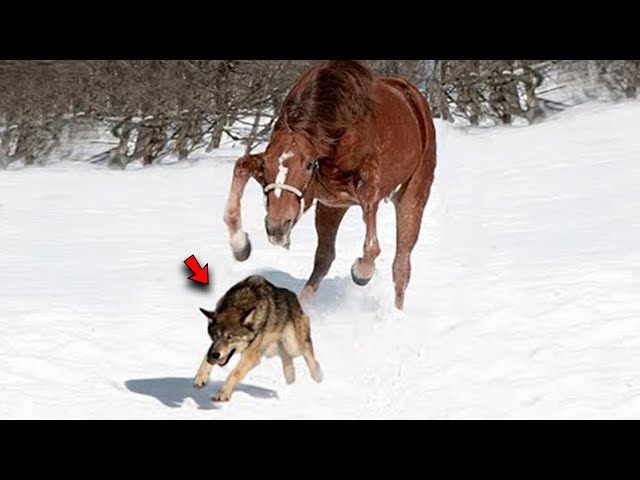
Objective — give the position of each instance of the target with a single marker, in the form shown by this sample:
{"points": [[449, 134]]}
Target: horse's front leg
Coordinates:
{"points": [[327, 223], [245, 168], [364, 267]]}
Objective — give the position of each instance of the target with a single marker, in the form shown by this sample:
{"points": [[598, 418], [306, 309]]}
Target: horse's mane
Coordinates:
{"points": [[329, 99]]}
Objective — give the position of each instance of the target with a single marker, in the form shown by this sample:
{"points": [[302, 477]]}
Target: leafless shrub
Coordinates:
{"points": [[155, 108]]}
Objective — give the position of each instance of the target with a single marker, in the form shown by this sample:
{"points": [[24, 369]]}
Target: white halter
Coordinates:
{"points": [[288, 188], [299, 195]]}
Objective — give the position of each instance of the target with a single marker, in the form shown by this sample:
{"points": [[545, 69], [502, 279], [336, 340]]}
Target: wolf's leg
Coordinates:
{"points": [[312, 363], [287, 365], [202, 377], [250, 358], [303, 334]]}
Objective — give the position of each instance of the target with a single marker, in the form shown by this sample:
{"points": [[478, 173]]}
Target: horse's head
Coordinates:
{"points": [[289, 164]]}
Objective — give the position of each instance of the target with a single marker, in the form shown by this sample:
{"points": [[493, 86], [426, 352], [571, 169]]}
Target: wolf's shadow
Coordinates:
{"points": [[173, 391]]}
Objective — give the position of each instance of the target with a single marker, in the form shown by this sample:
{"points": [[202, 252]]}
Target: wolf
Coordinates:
{"points": [[256, 319]]}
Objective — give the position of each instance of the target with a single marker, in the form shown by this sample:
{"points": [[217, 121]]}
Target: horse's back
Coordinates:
{"points": [[419, 107]]}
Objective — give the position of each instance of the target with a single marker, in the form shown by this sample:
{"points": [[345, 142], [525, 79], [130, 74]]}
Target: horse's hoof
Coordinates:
{"points": [[243, 254], [241, 247], [358, 279]]}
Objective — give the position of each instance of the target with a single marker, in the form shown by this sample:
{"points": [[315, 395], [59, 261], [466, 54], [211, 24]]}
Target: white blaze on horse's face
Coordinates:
{"points": [[281, 178], [287, 177]]}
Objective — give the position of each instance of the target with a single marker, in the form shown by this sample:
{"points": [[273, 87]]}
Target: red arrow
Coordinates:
{"points": [[200, 274]]}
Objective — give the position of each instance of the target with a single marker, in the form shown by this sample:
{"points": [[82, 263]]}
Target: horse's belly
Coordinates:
{"points": [[337, 198], [338, 201]]}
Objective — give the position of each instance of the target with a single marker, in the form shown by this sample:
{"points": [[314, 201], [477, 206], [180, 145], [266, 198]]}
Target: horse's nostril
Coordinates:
{"points": [[278, 229]]}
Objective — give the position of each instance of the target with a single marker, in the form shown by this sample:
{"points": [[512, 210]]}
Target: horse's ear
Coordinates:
{"points": [[211, 316]]}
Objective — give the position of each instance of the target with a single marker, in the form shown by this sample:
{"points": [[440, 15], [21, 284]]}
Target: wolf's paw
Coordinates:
{"points": [[200, 382], [317, 375], [220, 397]]}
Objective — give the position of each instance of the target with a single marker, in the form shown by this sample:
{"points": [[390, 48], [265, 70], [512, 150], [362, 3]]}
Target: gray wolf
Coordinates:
{"points": [[255, 319]]}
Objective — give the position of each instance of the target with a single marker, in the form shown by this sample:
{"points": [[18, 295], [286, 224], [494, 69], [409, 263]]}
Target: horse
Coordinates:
{"points": [[343, 137]]}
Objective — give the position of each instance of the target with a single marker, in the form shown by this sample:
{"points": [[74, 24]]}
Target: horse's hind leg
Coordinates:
{"points": [[327, 222], [409, 203]]}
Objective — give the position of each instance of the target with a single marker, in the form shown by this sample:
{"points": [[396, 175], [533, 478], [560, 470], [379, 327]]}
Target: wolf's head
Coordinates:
{"points": [[230, 331]]}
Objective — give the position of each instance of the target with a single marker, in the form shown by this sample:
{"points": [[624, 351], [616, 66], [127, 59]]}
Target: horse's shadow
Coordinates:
{"points": [[173, 391], [330, 296]]}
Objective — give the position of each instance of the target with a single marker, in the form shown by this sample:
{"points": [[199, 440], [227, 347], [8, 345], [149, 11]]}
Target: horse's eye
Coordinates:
{"points": [[310, 165]]}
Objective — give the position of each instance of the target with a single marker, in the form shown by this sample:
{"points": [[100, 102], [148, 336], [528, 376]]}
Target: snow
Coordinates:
{"points": [[524, 300]]}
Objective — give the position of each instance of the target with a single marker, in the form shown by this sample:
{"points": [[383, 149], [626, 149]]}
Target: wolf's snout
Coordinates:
{"points": [[215, 355]]}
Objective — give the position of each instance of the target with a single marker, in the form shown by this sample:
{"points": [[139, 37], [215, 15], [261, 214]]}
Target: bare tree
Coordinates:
{"points": [[155, 108]]}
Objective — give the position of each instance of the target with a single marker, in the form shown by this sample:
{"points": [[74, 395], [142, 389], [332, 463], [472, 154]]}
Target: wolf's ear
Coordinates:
{"points": [[247, 319], [210, 315]]}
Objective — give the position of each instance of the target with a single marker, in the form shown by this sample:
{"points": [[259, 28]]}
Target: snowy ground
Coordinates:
{"points": [[524, 302]]}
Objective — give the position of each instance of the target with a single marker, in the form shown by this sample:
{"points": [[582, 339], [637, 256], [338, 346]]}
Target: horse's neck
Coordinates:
{"points": [[347, 163], [331, 180], [351, 152]]}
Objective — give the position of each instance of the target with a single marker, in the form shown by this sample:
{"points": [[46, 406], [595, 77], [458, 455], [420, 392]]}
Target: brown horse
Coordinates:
{"points": [[343, 138]]}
